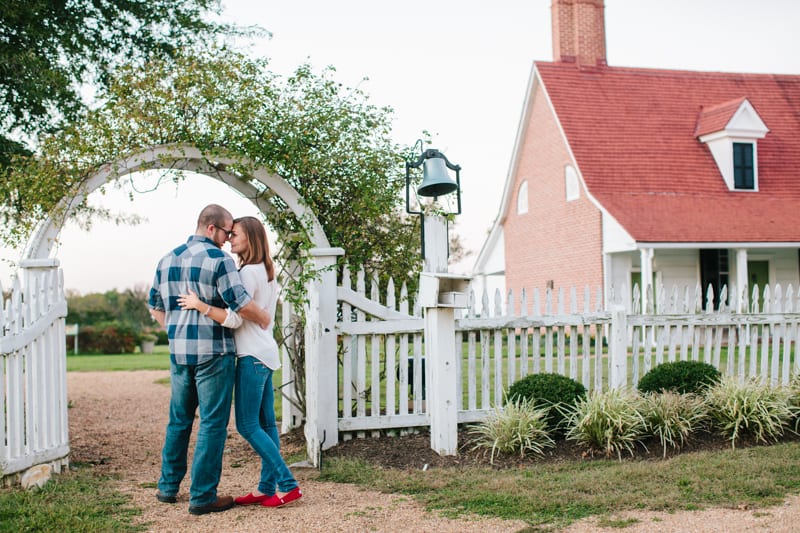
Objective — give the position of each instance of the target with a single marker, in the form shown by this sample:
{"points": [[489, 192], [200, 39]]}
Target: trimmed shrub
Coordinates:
{"points": [[547, 390], [161, 337], [680, 377], [108, 338]]}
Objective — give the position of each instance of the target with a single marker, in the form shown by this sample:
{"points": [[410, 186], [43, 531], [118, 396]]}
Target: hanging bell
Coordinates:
{"points": [[435, 179]]}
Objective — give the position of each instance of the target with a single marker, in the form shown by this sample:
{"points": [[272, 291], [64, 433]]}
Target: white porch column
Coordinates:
{"points": [[742, 285], [322, 415], [647, 289]]}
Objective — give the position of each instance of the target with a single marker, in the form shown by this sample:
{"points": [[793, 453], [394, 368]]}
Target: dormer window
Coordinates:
{"points": [[743, 168], [731, 130]]}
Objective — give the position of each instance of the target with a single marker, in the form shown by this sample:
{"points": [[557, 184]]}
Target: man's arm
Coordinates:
{"points": [[158, 315], [254, 313]]}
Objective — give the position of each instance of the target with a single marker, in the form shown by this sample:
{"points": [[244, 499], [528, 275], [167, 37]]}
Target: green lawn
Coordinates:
{"points": [[546, 496], [158, 360]]}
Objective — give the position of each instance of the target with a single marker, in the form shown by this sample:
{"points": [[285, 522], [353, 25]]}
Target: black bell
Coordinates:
{"points": [[435, 178]]}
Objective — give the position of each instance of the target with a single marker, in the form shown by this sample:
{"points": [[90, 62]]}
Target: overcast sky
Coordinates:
{"points": [[458, 69]]}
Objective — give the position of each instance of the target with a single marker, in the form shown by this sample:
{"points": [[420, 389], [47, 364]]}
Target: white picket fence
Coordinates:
{"points": [[575, 334], [33, 385], [381, 368], [760, 340]]}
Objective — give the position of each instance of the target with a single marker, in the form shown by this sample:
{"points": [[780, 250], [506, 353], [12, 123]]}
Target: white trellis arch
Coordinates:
{"points": [[40, 266]]}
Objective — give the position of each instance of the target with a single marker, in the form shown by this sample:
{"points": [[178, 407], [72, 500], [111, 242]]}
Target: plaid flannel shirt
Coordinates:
{"points": [[201, 266]]}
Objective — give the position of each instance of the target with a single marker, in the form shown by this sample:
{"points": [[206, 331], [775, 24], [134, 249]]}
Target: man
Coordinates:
{"points": [[202, 357]]}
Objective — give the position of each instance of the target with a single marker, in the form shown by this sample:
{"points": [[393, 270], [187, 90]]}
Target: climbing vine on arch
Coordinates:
{"points": [[325, 139]]}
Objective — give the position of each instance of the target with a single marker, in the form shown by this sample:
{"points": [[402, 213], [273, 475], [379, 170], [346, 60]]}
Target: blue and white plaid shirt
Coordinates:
{"points": [[201, 266]]}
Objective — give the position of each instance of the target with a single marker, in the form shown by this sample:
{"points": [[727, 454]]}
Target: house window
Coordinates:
{"points": [[571, 185], [522, 198], [743, 168], [713, 273]]}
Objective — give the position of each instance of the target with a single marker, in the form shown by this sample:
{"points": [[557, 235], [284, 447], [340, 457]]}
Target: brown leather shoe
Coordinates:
{"points": [[222, 503]]}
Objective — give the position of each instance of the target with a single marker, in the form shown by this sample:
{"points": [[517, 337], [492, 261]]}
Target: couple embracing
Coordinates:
{"points": [[219, 323]]}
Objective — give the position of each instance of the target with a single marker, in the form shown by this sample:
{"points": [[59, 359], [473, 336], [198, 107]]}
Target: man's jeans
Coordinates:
{"points": [[209, 387], [255, 421]]}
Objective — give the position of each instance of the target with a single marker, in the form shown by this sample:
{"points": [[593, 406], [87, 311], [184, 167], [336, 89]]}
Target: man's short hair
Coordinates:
{"points": [[213, 214]]}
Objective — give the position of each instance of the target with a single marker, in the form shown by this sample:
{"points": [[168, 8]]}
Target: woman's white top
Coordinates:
{"points": [[250, 338]]}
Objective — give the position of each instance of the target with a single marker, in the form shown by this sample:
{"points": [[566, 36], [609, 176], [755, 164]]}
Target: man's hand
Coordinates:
{"points": [[254, 313]]}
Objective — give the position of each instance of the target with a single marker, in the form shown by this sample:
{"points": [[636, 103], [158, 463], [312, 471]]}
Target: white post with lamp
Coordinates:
{"points": [[440, 294]]}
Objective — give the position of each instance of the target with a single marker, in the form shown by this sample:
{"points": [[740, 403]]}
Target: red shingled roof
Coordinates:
{"points": [[714, 118], [634, 136]]}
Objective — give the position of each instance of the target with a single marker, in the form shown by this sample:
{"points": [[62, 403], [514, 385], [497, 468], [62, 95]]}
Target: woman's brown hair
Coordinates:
{"points": [[257, 245]]}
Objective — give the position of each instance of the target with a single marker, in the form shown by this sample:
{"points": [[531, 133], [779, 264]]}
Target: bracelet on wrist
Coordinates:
{"points": [[208, 310]]}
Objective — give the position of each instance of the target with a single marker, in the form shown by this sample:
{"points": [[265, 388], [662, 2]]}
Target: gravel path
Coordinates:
{"points": [[117, 423]]}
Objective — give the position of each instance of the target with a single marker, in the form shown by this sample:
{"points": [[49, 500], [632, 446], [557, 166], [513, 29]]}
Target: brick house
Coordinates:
{"points": [[626, 174]]}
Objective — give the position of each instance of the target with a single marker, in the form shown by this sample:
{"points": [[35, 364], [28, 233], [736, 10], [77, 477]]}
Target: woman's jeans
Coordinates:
{"points": [[255, 421], [209, 387]]}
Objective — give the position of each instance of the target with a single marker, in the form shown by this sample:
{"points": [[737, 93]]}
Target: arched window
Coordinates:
{"points": [[571, 185], [522, 198]]}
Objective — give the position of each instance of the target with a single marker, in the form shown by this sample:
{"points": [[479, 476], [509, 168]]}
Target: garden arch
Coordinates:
{"points": [[258, 185]]}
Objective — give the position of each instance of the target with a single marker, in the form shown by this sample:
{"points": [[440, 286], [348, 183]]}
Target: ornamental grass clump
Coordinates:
{"points": [[673, 417], [519, 426], [610, 422], [794, 400], [749, 409]]}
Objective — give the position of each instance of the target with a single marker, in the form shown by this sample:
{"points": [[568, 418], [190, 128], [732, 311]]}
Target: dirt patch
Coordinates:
{"points": [[117, 423]]}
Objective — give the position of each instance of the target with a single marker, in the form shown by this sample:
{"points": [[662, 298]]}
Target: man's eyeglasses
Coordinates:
{"points": [[228, 232]]}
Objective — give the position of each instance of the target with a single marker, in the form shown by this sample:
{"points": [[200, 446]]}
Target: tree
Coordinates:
{"points": [[325, 139], [128, 307], [49, 49]]}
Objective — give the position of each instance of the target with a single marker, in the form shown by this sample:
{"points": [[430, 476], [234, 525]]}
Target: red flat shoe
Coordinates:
{"points": [[252, 500], [289, 497]]}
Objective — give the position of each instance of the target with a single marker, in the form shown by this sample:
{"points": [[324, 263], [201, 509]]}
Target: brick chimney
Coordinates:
{"points": [[579, 34]]}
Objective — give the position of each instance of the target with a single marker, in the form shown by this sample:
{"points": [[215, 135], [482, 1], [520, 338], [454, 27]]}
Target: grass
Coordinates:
{"points": [[555, 495], [74, 501], [545, 496], [158, 360]]}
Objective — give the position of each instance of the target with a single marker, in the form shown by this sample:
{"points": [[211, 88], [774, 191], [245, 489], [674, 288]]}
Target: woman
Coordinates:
{"points": [[257, 358]]}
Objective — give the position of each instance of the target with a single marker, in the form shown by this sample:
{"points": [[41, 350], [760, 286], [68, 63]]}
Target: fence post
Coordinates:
{"points": [[618, 348], [440, 295], [322, 415]]}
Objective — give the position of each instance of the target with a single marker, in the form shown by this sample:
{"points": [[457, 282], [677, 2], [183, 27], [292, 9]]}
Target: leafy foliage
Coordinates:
{"points": [[128, 307], [107, 338], [547, 390], [750, 409], [50, 48], [610, 422], [519, 426], [673, 417], [325, 139], [679, 376]]}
